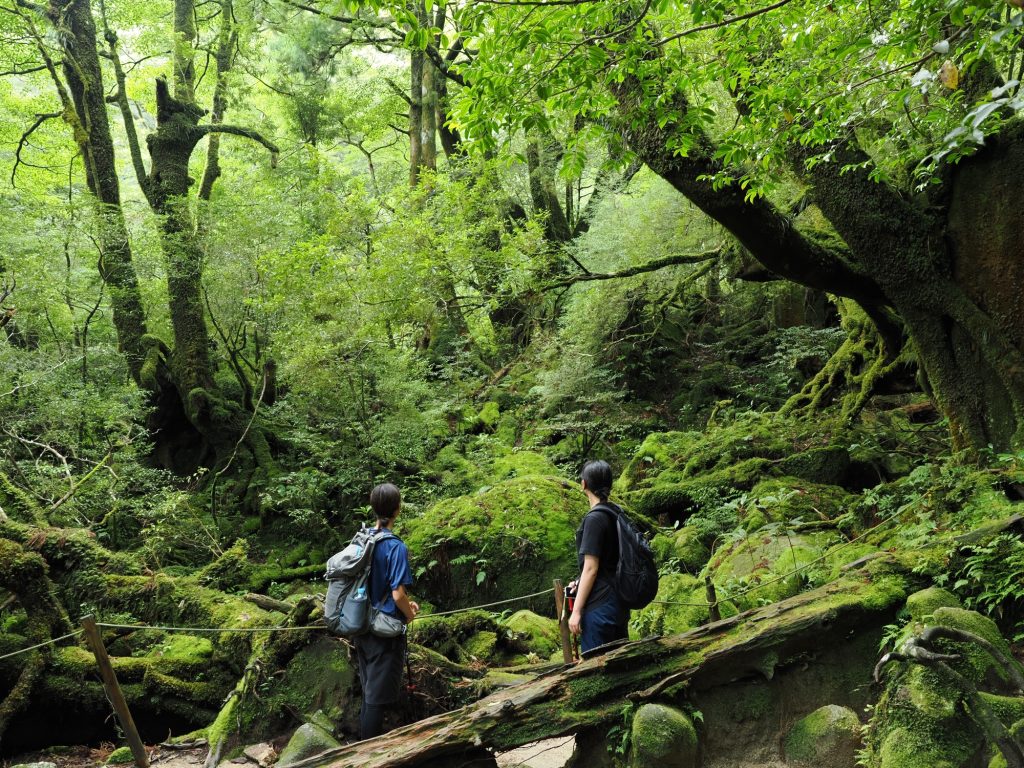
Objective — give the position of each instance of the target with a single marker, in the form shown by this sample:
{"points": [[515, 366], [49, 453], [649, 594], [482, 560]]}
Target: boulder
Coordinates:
{"points": [[829, 737], [663, 737], [307, 741]]}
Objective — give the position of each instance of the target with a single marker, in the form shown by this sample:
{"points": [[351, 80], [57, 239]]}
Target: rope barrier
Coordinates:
{"points": [[255, 629], [208, 629], [41, 645], [486, 605]]}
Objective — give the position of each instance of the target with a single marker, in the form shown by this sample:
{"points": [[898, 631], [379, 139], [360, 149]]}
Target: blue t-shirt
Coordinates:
{"points": [[389, 571]]}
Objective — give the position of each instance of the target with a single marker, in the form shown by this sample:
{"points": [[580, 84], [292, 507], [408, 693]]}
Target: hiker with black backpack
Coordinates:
{"points": [[617, 570], [380, 651]]}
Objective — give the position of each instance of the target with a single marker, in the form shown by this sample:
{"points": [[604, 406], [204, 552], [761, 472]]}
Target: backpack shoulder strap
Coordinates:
{"points": [[605, 506]]}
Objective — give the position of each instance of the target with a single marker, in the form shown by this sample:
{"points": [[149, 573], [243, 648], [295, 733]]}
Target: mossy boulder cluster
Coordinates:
{"points": [[920, 719], [676, 474]]}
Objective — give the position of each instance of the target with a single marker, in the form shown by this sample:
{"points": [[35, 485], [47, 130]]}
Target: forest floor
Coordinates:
{"points": [[552, 753], [94, 757]]}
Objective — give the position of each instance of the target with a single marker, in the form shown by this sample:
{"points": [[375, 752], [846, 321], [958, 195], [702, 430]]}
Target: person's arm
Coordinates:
{"points": [[583, 589], [408, 608]]}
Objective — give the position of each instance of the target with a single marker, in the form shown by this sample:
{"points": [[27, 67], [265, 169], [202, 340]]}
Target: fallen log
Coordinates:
{"points": [[592, 693]]}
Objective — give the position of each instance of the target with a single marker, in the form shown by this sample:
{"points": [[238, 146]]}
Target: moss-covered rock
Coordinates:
{"points": [[522, 464], [680, 604], [447, 635], [904, 749], [826, 465], [481, 646], [307, 741], [681, 550], [769, 566], [923, 604], [785, 499], [922, 717], [505, 541], [121, 756], [317, 678], [829, 737], [540, 634], [663, 737]]}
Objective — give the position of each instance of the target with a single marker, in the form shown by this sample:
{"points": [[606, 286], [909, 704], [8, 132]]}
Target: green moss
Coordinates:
{"points": [[481, 646], [18, 504], [979, 661], [658, 453], [682, 549], [1009, 709], [540, 634], [826, 465], [785, 499], [231, 570], [663, 736], [767, 567], [680, 605], [829, 736], [921, 605], [904, 749], [121, 756], [522, 464], [507, 540]]}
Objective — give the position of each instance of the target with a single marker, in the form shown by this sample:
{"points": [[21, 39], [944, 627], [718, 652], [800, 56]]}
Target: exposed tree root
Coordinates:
{"points": [[857, 368]]}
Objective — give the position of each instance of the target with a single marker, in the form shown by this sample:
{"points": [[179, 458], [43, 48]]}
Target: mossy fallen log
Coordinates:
{"points": [[593, 693]]}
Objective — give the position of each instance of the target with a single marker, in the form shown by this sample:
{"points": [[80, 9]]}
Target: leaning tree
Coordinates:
{"points": [[868, 150]]}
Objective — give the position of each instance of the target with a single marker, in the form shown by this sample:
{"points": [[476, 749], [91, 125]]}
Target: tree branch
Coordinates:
{"points": [[28, 71], [382, 23], [640, 269], [723, 22], [248, 133], [41, 118]]}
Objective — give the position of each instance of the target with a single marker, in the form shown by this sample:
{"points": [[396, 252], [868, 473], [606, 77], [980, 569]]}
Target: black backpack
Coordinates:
{"points": [[636, 576], [347, 605]]}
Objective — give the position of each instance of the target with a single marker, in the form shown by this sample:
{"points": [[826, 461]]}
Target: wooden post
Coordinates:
{"points": [[563, 621], [113, 689], [709, 590]]}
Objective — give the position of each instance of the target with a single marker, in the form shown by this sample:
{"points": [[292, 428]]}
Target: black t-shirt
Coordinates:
{"points": [[598, 535]]}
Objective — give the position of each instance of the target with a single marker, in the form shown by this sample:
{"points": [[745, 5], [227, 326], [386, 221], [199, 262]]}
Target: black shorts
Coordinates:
{"points": [[380, 667]]}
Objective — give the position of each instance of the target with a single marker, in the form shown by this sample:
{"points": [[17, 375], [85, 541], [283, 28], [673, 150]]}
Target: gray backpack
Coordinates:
{"points": [[347, 605]]}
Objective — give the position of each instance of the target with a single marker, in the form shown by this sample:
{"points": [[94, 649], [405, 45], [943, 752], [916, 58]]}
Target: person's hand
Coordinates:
{"points": [[415, 608], [575, 622], [572, 587]]}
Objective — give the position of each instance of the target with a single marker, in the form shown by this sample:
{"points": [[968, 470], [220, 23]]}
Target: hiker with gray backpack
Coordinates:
{"points": [[368, 603], [617, 569]]}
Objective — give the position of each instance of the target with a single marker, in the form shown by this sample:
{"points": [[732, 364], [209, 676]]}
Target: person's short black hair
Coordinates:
{"points": [[597, 478], [385, 500]]}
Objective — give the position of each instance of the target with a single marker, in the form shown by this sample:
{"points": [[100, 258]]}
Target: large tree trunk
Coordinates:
{"points": [[973, 361], [591, 695], [91, 127]]}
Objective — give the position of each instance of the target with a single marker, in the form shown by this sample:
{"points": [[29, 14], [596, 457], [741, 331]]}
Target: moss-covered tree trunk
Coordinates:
{"points": [[221, 424], [964, 321], [85, 110], [592, 694]]}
